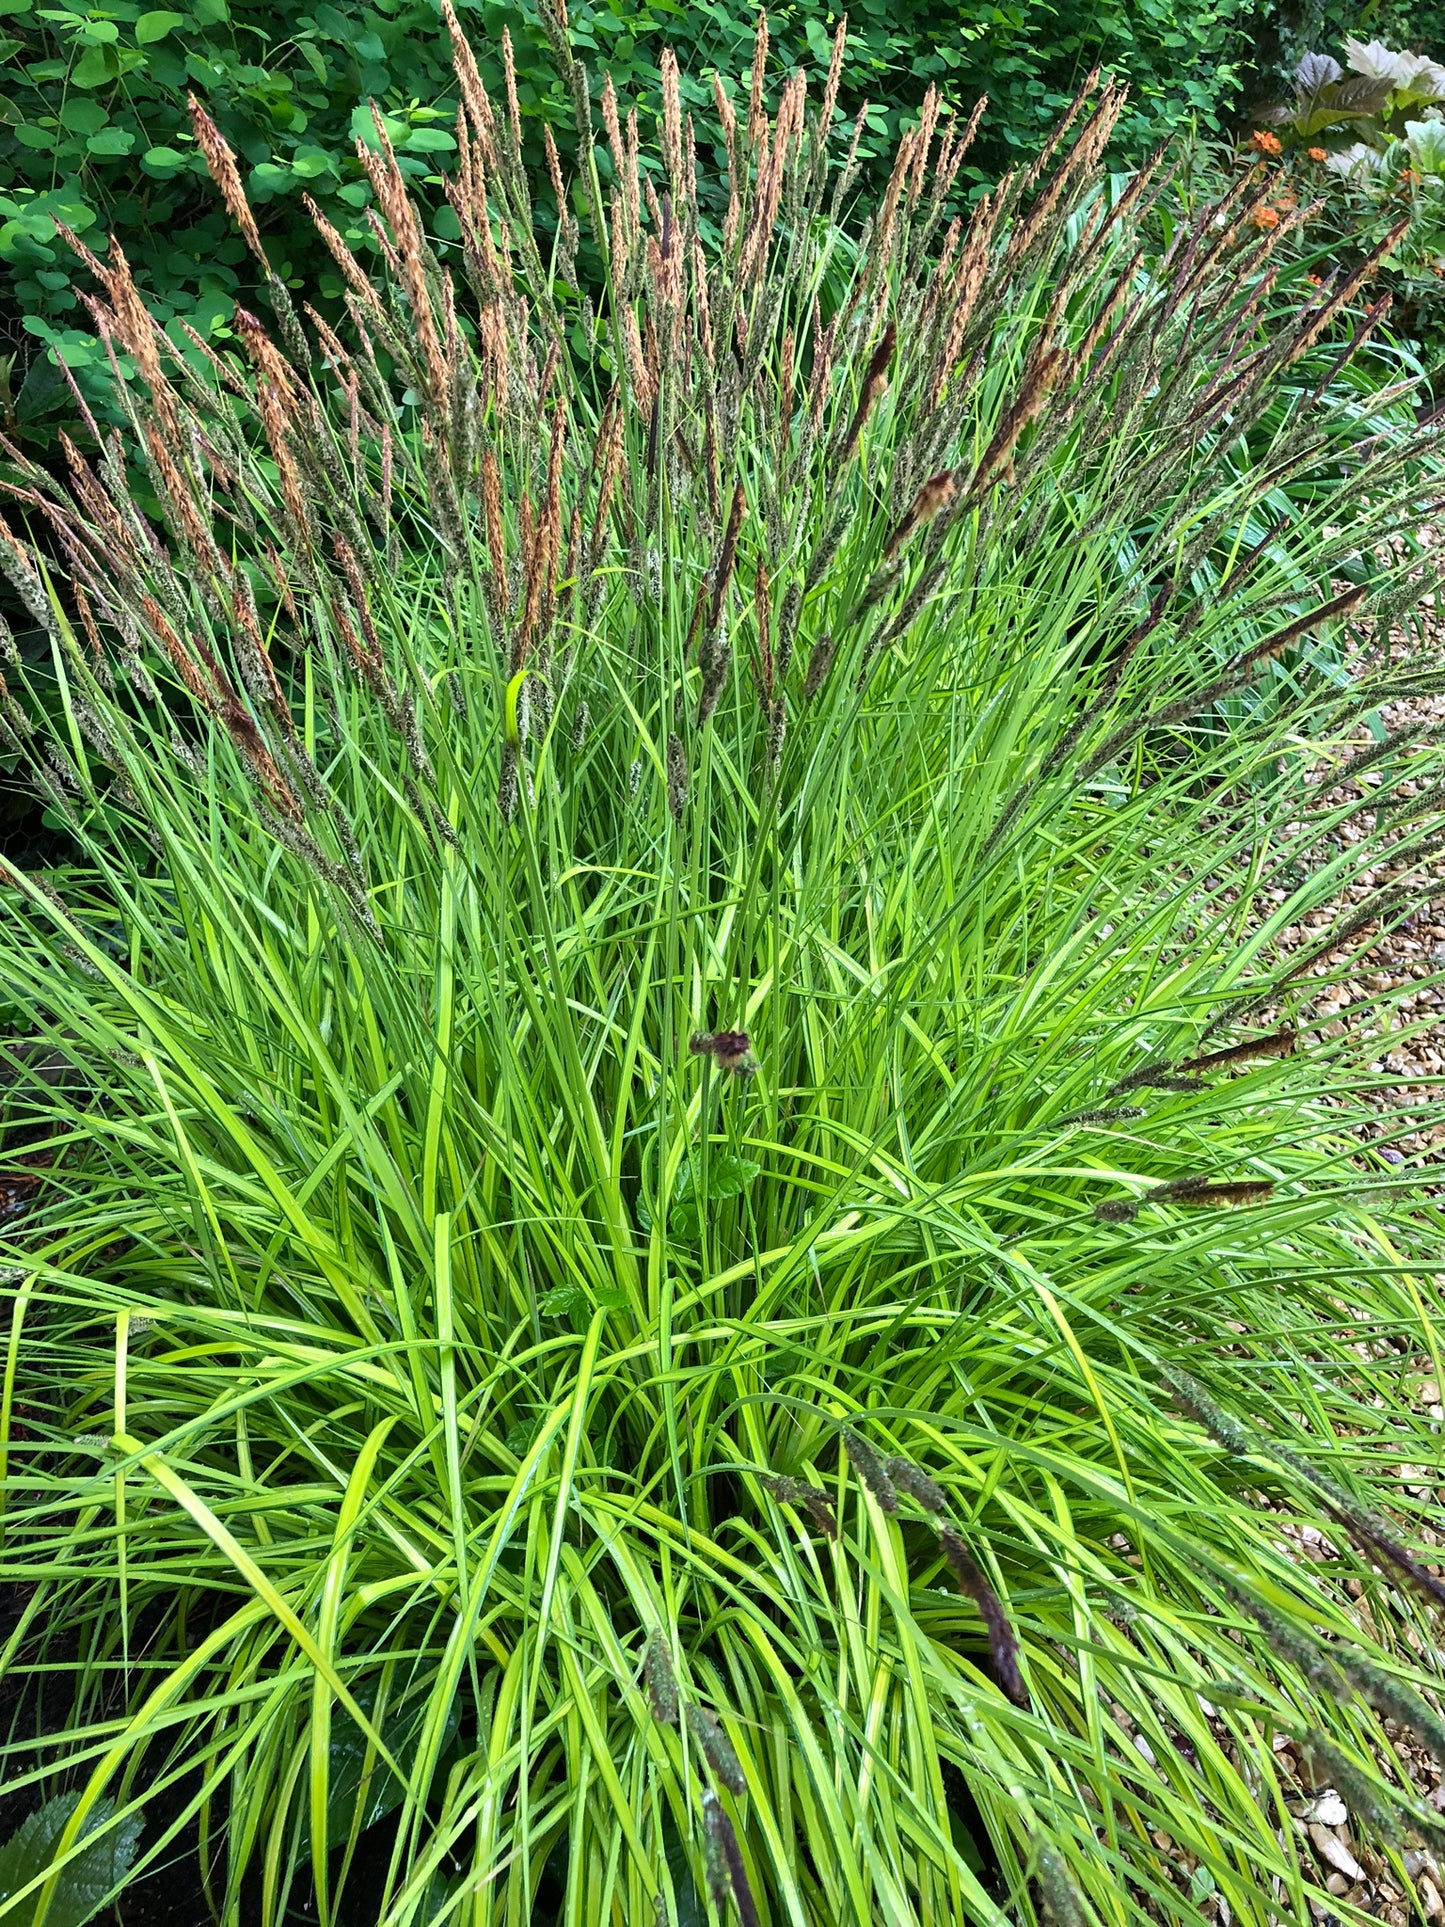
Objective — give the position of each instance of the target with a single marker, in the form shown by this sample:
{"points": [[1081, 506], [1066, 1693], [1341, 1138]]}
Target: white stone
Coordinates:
{"points": [[1333, 1851], [1330, 1810]]}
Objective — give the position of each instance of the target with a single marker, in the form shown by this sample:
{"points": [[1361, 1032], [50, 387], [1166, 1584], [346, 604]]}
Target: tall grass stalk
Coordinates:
{"points": [[666, 1015]]}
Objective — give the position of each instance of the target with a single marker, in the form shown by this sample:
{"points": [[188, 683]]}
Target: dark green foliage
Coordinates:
{"points": [[86, 1879], [94, 129]]}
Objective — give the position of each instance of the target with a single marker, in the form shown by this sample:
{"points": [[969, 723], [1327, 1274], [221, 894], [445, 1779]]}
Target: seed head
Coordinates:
{"points": [[507, 785], [870, 1469], [1056, 1887], [1195, 1191], [1391, 1697], [807, 1498], [716, 658], [724, 1860], [1280, 1043], [936, 493], [913, 1480], [777, 714], [875, 380], [676, 777], [756, 122], [819, 664], [835, 75], [221, 162], [715, 1862], [1107, 1115], [672, 125], [762, 606], [1221, 1425], [1360, 1793], [722, 574], [1371, 1532], [661, 1681], [1002, 1645], [717, 1747]]}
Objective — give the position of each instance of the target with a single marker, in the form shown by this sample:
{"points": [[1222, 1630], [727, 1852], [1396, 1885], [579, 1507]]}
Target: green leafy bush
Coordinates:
{"points": [[668, 1034], [1352, 164], [1289, 29], [1369, 102], [96, 134], [94, 129]]}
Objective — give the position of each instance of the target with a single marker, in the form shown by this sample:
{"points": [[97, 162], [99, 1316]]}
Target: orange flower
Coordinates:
{"points": [[1265, 217], [1314, 280], [1317, 153], [1266, 143]]}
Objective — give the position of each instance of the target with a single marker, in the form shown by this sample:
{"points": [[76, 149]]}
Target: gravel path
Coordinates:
{"points": [[1409, 1060]]}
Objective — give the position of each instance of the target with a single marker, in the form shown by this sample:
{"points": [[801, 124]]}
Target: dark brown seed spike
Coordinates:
{"points": [[1002, 1643], [1280, 1043]]}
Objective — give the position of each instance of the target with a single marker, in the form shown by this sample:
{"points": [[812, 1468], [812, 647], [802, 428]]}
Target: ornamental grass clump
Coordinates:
{"points": [[620, 859]]}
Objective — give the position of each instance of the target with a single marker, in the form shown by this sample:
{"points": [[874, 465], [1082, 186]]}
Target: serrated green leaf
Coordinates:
{"points": [[728, 1176], [564, 1301], [83, 1886]]}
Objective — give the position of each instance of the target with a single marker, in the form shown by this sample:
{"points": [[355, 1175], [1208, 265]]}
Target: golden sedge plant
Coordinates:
{"points": [[696, 1244]]}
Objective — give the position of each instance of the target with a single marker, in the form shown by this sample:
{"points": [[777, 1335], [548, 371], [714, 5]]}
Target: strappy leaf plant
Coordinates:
{"points": [[697, 1246]]}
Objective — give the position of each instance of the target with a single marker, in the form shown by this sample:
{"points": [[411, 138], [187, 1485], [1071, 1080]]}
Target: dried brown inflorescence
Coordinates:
{"points": [[452, 409], [730, 1050], [804, 1498]]}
